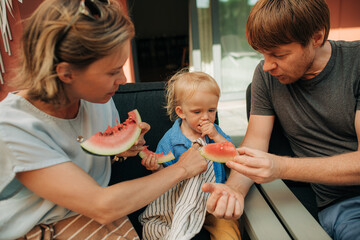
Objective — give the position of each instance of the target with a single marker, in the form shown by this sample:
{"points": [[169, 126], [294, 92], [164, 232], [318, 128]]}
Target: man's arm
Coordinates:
{"points": [[342, 169], [227, 201]]}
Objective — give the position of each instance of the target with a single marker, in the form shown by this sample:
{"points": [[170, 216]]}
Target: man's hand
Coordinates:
{"points": [[224, 202], [257, 165]]}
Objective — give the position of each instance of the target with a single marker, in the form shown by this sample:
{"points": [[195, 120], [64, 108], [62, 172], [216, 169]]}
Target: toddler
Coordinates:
{"points": [[192, 100]]}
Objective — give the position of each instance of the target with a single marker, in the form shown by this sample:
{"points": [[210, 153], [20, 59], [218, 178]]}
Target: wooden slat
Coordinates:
{"points": [[260, 222], [298, 221]]}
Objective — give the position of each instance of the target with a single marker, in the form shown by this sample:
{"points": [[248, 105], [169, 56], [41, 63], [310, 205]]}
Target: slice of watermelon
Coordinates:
{"points": [[219, 152], [161, 157], [116, 139]]}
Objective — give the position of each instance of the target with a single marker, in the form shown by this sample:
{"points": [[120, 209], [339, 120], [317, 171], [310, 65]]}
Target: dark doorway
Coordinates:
{"points": [[160, 46]]}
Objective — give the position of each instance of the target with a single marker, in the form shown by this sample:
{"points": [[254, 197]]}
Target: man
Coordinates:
{"points": [[312, 86]]}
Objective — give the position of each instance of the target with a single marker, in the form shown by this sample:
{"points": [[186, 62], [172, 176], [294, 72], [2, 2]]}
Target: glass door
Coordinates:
{"points": [[238, 59], [220, 48]]}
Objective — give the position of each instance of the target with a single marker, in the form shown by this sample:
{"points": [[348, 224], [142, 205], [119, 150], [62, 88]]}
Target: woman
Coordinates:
{"points": [[73, 53]]}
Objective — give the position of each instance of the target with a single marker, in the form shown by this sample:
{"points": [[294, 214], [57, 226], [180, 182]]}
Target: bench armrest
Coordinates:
{"points": [[259, 220], [297, 220]]}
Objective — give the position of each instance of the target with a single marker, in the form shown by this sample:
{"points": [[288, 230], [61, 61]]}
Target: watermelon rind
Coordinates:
{"points": [[164, 158], [93, 146]]}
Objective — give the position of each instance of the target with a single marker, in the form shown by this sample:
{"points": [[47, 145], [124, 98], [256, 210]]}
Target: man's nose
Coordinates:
{"points": [[269, 64]]}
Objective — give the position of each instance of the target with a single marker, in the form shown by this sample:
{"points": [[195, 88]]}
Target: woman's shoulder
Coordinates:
{"points": [[15, 109]]}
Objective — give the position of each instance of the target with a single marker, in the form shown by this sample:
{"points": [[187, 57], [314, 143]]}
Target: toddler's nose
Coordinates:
{"points": [[205, 117]]}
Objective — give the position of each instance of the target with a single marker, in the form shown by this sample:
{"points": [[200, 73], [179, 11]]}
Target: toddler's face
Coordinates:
{"points": [[197, 110]]}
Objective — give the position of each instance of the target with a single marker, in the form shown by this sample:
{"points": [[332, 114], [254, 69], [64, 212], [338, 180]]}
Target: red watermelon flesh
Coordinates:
{"points": [[116, 139], [219, 152], [161, 157]]}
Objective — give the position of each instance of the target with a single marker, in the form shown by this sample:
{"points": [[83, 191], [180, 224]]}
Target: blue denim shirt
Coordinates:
{"points": [[175, 141]]}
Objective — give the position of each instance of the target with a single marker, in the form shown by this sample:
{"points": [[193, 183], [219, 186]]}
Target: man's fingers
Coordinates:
{"points": [[238, 210], [230, 208], [221, 205], [208, 187], [214, 197]]}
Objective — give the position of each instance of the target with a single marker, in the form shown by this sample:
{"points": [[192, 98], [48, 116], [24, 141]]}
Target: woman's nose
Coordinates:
{"points": [[121, 80]]}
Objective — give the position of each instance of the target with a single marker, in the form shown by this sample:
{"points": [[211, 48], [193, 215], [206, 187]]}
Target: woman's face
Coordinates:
{"points": [[98, 82]]}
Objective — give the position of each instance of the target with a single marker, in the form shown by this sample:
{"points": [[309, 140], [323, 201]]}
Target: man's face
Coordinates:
{"points": [[289, 62]]}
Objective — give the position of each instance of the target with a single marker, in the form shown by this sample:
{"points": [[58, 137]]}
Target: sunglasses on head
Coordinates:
{"points": [[87, 8]]}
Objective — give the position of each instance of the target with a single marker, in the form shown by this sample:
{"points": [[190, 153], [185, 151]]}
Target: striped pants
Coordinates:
{"points": [[81, 227]]}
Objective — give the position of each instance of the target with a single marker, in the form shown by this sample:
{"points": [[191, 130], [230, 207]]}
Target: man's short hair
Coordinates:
{"points": [[272, 22]]}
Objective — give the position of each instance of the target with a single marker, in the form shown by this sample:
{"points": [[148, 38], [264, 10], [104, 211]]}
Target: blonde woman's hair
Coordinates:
{"points": [[44, 45], [184, 85]]}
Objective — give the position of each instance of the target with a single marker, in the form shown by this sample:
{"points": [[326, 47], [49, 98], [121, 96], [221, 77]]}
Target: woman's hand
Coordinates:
{"points": [[224, 202], [192, 162], [139, 143]]}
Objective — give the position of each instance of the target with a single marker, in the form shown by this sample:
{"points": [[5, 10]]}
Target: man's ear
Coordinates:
{"points": [[318, 38], [64, 72], [179, 112]]}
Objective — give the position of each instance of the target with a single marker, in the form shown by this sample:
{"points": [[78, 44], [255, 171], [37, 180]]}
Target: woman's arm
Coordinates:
{"points": [[69, 186]]}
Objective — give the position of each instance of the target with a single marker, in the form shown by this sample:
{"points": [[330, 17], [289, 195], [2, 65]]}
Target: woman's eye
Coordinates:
{"points": [[114, 73]]}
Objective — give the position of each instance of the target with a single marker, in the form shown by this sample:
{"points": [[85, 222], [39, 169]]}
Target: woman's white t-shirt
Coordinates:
{"points": [[31, 139]]}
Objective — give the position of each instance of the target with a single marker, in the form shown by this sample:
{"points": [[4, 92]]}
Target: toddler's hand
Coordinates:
{"points": [[150, 162], [208, 128]]}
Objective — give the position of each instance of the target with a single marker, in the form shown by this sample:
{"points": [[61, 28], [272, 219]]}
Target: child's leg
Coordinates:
{"points": [[222, 229]]}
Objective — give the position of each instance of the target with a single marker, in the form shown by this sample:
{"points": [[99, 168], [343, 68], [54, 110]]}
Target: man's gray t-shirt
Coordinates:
{"points": [[317, 114]]}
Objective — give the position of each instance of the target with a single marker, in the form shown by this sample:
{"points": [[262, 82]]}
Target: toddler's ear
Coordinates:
{"points": [[179, 112]]}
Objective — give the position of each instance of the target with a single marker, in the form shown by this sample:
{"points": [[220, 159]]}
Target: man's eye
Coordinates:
{"points": [[280, 55]]}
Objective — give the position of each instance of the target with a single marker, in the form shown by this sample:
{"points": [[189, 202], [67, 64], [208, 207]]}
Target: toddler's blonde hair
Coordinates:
{"points": [[183, 85]]}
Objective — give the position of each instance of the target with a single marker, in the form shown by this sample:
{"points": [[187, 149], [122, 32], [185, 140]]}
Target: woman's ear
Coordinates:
{"points": [[179, 112], [64, 72]]}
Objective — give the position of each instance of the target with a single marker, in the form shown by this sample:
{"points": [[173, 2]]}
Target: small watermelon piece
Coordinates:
{"points": [[116, 139], [161, 157], [219, 152]]}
